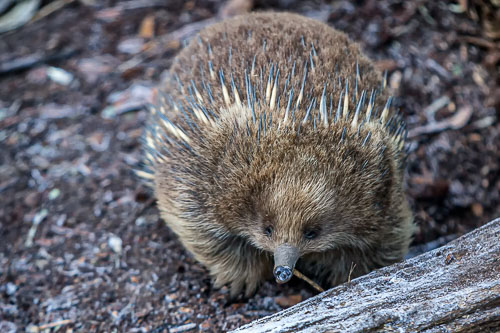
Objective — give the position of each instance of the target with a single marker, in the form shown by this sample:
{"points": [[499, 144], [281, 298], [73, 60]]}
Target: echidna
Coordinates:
{"points": [[274, 138]]}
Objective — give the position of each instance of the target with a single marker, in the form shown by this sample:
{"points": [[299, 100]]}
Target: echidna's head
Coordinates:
{"points": [[297, 195], [293, 216]]}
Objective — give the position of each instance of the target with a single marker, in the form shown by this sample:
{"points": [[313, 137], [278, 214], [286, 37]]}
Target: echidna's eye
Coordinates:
{"points": [[268, 231], [310, 234]]}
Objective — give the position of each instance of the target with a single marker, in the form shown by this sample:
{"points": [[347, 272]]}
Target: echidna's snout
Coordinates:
{"points": [[285, 257], [283, 274]]}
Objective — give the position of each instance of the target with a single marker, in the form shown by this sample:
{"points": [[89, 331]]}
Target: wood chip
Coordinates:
{"points": [[147, 28]]}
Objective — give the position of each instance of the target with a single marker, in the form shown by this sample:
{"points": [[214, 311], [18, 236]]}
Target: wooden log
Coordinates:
{"points": [[455, 288]]}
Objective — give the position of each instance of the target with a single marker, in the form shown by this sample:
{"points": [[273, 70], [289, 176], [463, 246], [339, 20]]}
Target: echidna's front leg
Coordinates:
{"points": [[230, 259], [241, 266]]}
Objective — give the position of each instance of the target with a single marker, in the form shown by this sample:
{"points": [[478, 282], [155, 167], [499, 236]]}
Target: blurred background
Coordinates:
{"points": [[82, 246]]}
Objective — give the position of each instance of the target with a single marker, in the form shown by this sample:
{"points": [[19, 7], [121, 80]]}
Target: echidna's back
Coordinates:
{"points": [[259, 45], [265, 69]]}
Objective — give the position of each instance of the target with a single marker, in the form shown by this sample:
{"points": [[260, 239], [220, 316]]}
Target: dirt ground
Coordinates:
{"points": [[82, 246]]}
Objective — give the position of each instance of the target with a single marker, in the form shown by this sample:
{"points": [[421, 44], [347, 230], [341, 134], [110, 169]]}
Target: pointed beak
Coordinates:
{"points": [[285, 257]]}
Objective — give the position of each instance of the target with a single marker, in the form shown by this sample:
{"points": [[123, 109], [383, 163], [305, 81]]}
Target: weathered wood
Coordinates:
{"points": [[455, 288]]}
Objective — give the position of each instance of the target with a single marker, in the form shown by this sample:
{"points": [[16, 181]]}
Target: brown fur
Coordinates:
{"points": [[221, 182]]}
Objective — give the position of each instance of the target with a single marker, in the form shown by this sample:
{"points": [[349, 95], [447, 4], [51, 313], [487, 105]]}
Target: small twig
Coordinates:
{"points": [[481, 42], [435, 106], [50, 8], [457, 121], [33, 60], [436, 67], [308, 280], [55, 324], [140, 4], [353, 265]]}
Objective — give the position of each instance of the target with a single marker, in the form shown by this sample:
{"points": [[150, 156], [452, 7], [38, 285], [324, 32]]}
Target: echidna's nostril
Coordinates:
{"points": [[283, 274]]}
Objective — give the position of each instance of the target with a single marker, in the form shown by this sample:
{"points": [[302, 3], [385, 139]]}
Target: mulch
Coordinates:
{"points": [[82, 245]]}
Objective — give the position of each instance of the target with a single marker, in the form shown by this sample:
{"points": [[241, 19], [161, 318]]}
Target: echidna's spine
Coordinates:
{"points": [[271, 106]]}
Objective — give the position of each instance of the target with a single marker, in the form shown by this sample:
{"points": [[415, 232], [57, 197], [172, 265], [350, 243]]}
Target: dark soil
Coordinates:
{"points": [[82, 245]]}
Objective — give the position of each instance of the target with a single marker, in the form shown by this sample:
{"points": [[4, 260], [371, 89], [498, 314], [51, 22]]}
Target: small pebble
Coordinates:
{"points": [[131, 45], [108, 196], [60, 220], [115, 243], [10, 288], [59, 75], [54, 193], [140, 221], [8, 327], [32, 329]]}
